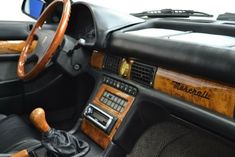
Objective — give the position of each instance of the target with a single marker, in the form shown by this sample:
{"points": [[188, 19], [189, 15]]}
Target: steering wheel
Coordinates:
{"points": [[48, 41]]}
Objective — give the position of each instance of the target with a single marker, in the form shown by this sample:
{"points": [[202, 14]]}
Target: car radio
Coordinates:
{"points": [[102, 119]]}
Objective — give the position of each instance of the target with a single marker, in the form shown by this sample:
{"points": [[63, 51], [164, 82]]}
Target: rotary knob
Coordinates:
{"points": [[89, 111]]}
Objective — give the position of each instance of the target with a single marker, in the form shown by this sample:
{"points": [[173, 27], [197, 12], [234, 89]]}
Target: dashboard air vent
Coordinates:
{"points": [[143, 73], [112, 63]]}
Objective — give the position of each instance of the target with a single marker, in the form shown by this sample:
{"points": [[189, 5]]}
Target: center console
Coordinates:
{"points": [[104, 114]]}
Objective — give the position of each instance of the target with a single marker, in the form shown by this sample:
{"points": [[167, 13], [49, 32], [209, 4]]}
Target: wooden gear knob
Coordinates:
{"points": [[23, 153], [38, 118]]}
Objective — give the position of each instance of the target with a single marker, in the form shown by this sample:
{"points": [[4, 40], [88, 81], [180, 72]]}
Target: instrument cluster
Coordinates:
{"points": [[81, 25]]}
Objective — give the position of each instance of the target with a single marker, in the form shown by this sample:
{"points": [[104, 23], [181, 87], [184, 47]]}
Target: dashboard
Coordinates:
{"points": [[185, 66]]}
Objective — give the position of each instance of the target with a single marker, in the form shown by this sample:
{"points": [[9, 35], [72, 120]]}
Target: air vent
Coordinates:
{"points": [[112, 63], [142, 73]]}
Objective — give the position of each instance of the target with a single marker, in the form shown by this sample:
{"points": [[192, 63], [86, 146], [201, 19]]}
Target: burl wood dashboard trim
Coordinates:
{"points": [[95, 133], [14, 46], [213, 96], [97, 59]]}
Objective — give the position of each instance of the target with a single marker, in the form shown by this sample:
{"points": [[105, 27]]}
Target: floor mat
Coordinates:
{"points": [[173, 140], [156, 138], [196, 144]]}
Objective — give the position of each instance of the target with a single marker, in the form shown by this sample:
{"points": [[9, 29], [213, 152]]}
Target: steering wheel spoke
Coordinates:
{"points": [[31, 58]]}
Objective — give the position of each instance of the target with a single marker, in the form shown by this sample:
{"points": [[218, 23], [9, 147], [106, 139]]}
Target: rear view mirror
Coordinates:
{"points": [[33, 8]]}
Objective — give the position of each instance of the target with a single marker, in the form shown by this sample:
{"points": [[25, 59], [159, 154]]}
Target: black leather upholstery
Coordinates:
{"points": [[16, 135], [2, 116]]}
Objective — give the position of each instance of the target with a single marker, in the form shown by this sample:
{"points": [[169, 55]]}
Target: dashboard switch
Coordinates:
{"points": [[124, 87]]}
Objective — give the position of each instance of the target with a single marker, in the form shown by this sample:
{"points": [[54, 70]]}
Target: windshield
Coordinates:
{"points": [[133, 6]]}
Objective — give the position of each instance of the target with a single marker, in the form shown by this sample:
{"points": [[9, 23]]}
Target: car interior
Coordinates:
{"points": [[88, 81]]}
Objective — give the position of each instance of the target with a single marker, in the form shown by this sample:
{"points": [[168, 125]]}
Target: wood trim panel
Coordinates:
{"points": [[97, 59], [213, 96], [98, 135], [14, 46]]}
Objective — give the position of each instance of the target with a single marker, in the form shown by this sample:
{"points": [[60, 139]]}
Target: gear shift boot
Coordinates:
{"points": [[57, 142], [63, 144]]}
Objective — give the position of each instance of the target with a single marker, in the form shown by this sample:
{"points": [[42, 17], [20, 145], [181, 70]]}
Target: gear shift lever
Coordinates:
{"points": [[38, 118], [58, 143]]}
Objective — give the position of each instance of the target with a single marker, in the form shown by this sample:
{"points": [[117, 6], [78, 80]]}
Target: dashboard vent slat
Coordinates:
{"points": [[143, 73], [112, 63]]}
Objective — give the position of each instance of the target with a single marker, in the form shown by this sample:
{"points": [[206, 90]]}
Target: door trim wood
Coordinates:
{"points": [[14, 46]]}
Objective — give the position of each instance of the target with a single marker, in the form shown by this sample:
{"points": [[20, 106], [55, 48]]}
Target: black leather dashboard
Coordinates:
{"points": [[212, 62], [103, 20]]}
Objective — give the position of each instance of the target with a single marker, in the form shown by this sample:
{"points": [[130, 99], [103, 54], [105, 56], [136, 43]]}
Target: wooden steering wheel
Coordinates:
{"points": [[48, 41]]}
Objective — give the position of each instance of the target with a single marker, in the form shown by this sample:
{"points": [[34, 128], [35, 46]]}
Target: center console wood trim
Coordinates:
{"points": [[95, 133]]}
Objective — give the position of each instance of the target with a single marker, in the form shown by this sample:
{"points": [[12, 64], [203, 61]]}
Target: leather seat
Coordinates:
{"points": [[16, 135], [2, 116]]}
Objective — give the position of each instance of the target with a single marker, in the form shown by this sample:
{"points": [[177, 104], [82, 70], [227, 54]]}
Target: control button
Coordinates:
{"points": [[112, 105], [108, 81], [126, 88], [105, 100], [89, 111], [122, 86], [111, 82], [115, 99], [119, 100], [115, 106], [119, 108], [118, 85], [130, 89], [109, 103], [112, 97], [105, 94], [114, 84], [102, 99], [108, 95], [134, 91], [122, 109], [105, 81], [122, 102]]}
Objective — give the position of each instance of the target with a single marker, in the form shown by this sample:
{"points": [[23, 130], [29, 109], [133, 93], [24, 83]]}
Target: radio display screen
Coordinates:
{"points": [[100, 117]]}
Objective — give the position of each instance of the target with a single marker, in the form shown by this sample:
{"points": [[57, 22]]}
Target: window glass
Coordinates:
{"points": [[10, 10]]}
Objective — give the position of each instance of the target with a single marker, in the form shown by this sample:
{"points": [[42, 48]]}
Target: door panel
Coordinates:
{"points": [[12, 40], [20, 97], [9, 54], [14, 30]]}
